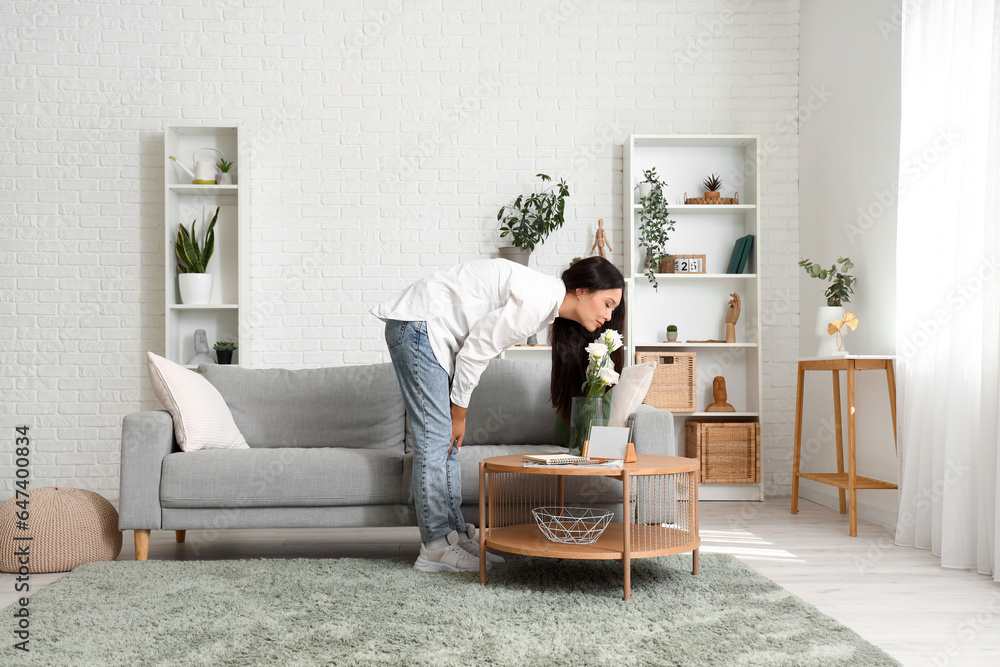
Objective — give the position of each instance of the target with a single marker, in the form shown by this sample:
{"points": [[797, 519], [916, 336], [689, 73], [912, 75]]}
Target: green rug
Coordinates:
{"points": [[353, 611]]}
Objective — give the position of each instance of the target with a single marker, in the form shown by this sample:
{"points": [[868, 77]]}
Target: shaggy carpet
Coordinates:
{"points": [[352, 611]]}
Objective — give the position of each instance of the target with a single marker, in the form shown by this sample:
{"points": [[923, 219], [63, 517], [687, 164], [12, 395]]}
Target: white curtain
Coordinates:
{"points": [[948, 283]]}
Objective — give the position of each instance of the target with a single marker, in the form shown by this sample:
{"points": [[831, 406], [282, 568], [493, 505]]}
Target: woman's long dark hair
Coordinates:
{"points": [[569, 339]]}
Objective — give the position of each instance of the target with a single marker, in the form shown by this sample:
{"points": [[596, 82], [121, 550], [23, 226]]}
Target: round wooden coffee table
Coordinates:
{"points": [[659, 500]]}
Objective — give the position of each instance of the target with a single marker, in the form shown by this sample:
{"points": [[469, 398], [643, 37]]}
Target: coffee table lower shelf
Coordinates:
{"points": [[528, 540]]}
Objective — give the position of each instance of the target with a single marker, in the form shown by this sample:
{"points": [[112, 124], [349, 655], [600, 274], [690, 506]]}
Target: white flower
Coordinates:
{"points": [[609, 376], [612, 339], [597, 350]]}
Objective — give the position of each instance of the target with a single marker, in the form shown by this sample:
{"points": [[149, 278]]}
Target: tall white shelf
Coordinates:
{"points": [[229, 306], [697, 303]]}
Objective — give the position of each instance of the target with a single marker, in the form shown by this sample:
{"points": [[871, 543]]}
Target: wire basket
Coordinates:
{"points": [[571, 525]]}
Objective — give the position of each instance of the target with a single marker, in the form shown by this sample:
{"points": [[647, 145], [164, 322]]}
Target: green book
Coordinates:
{"points": [[745, 255], [734, 260]]}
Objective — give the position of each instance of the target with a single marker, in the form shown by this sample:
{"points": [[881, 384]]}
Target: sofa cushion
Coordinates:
{"points": [[358, 407], [630, 392], [288, 476], [200, 415], [511, 405]]}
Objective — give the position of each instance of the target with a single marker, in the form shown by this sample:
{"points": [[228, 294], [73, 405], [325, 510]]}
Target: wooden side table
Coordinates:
{"points": [[849, 481]]}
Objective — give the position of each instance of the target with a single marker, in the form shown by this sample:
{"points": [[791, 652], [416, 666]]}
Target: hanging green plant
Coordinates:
{"points": [[654, 223]]}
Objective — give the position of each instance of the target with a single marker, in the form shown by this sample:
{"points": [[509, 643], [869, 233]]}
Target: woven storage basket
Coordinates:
{"points": [[717, 201], [70, 527], [729, 451], [673, 386]]}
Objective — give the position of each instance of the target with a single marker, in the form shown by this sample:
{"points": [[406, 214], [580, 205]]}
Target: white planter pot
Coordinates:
{"points": [[515, 254], [224, 178], [645, 189], [827, 344], [672, 336], [196, 288]]}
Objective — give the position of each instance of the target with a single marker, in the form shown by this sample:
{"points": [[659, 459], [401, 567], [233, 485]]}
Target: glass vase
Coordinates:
{"points": [[582, 413]]}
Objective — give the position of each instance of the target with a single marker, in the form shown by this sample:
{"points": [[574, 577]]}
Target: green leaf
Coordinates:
{"points": [[185, 250], [190, 249]]}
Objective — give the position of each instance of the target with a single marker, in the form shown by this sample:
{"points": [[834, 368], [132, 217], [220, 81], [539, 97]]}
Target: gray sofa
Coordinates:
{"points": [[331, 447]]}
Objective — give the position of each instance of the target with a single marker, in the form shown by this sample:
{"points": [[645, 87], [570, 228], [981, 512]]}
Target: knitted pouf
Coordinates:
{"points": [[70, 527]]}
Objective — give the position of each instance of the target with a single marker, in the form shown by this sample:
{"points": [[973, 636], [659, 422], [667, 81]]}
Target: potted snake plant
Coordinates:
{"points": [[192, 262]]}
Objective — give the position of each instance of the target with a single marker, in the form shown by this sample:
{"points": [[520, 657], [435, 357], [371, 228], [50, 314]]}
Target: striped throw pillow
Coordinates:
{"points": [[202, 419]]}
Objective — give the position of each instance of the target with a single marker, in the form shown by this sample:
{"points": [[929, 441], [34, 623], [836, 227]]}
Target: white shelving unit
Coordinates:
{"points": [[230, 264], [697, 303]]}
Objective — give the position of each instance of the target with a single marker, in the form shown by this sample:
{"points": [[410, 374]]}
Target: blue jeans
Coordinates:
{"points": [[437, 480]]}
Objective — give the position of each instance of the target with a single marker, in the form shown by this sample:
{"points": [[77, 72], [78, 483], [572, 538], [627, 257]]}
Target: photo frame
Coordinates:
{"points": [[609, 442], [689, 263]]}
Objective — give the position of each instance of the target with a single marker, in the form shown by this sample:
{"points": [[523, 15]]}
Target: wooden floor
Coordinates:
{"points": [[898, 598]]}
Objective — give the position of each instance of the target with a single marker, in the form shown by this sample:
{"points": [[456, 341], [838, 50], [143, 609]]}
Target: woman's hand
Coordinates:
{"points": [[457, 428]]}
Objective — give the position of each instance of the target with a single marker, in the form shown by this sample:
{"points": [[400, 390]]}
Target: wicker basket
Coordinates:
{"points": [[713, 201], [673, 386], [666, 265], [729, 451]]}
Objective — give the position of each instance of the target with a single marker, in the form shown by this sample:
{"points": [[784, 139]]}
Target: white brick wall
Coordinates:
{"points": [[385, 136]]}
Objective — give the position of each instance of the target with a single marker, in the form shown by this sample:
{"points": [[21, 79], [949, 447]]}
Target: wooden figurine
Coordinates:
{"points": [[601, 240], [719, 394], [732, 315]]}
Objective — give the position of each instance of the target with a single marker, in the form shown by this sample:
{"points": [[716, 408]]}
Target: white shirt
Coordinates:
{"points": [[474, 312]]}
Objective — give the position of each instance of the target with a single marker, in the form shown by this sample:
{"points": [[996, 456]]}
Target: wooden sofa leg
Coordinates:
{"points": [[141, 543], [180, 535]]}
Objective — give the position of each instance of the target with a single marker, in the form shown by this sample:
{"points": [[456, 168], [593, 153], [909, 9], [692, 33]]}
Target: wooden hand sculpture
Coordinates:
{"points": [[732, 315]]}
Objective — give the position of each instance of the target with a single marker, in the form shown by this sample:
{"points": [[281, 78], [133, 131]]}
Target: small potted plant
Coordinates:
{"points": [[837, 294], [224, 351], [650, 180], [224, 177], [192, 262], [672, 333], [712, 185], [654, 223], [531, 218]]}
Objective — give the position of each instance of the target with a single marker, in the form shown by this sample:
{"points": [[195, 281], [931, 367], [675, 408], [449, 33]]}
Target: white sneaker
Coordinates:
{"points": [[471, 544], [452, 558]]}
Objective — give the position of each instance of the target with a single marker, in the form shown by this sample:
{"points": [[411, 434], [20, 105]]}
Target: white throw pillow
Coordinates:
{"points": [[629, 393], [202, 420]]}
